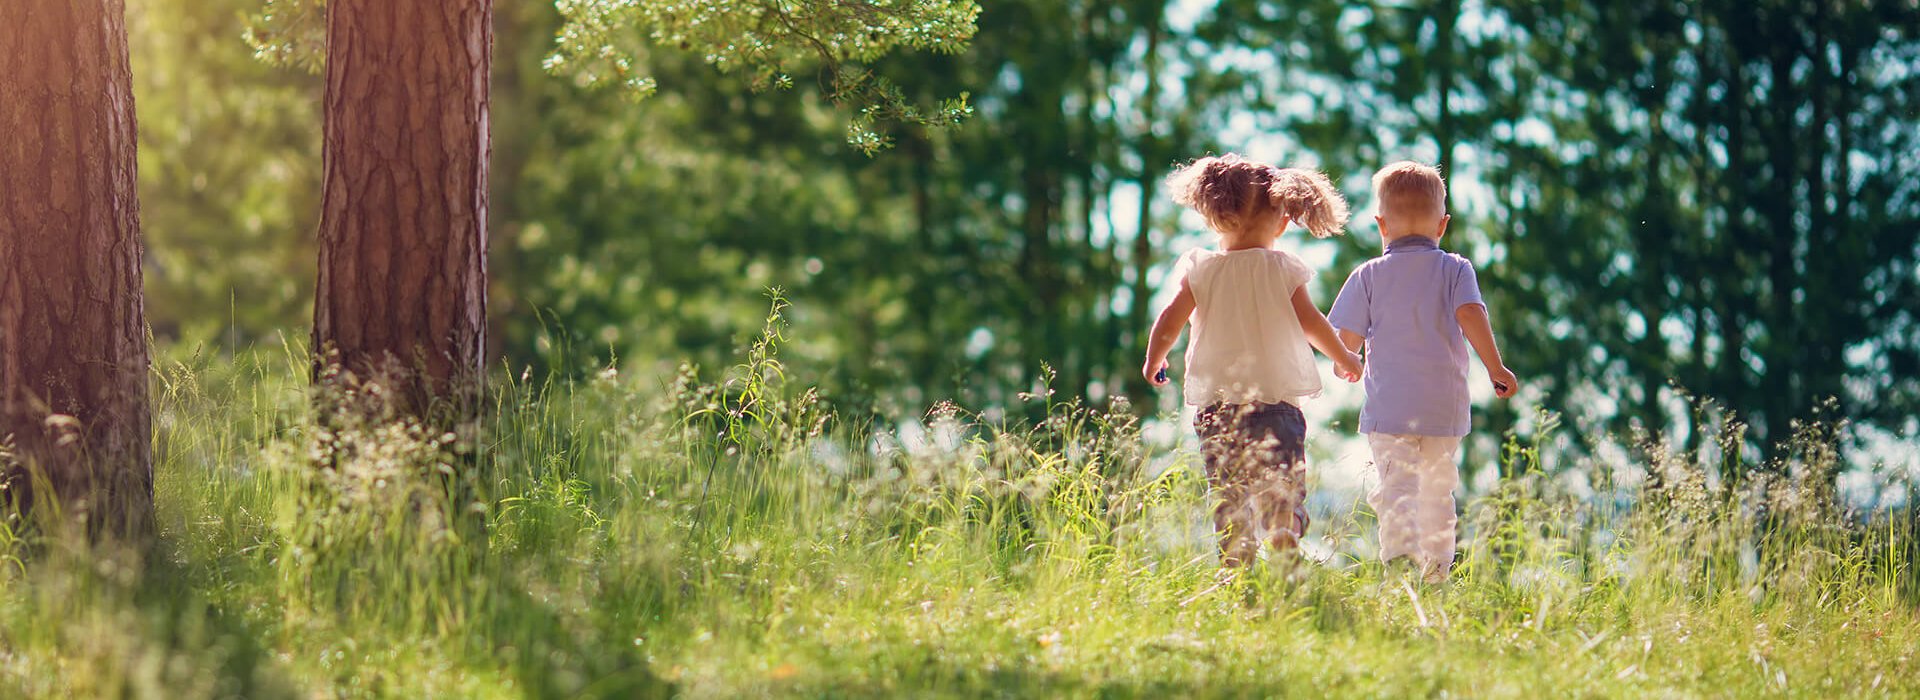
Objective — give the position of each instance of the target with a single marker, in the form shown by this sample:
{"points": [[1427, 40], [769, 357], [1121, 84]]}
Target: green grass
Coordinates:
{"points": [[616, 538]]}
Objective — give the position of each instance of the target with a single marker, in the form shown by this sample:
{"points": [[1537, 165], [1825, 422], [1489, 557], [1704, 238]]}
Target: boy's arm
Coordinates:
{"points": [[1166, 330], [1320, 334], [1479, 332], [1350, 307]]}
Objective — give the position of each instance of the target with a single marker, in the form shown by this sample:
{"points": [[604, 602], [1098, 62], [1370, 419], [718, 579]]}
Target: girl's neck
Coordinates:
{"points": [[1231, 243], [1259, 236]]}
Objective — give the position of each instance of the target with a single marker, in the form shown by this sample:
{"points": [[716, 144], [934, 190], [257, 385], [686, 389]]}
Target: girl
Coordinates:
{"points": [[1247, 362]]}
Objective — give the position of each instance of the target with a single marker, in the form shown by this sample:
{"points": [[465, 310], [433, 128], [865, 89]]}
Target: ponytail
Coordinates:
{"points": [[1308, 198]]}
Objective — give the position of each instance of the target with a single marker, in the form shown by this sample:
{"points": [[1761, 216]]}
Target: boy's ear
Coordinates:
{"points": [[1381, 223], [1442, 233]]}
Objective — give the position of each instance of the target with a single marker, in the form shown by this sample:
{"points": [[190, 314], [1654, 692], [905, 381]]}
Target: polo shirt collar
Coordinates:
{"points": [[1407, 244]]}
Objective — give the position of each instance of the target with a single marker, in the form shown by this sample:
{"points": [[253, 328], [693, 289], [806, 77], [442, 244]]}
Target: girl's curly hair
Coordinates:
{"points": [[1230, 191]]}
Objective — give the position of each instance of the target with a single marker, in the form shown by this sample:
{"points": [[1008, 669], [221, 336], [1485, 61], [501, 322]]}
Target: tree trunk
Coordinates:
{"points": [[401, 297], [1444, 41], [73, 347], [1781, 351], [1141, 311]]}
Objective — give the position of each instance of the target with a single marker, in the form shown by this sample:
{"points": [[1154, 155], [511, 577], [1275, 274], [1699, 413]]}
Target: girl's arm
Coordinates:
{"points": [[1321, 335], [1166, 330]]}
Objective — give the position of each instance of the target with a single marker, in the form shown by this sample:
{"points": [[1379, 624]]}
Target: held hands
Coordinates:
{"points": [[1347, 366], [1504, 383], [1155, 371]]}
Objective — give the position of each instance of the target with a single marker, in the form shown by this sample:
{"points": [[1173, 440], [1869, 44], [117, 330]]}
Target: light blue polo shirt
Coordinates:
{"points": [[1404, 303]]}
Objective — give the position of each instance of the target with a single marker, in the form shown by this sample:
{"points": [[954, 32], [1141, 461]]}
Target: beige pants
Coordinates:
{"points": [[1414, 499]]}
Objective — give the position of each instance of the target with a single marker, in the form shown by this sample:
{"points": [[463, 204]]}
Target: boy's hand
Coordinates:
{"points": [[1348, 366], [1504, 383], [1155, 371]]}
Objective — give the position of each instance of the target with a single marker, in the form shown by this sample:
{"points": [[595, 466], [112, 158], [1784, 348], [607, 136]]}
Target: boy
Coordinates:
{"points": [[1415, 309]]}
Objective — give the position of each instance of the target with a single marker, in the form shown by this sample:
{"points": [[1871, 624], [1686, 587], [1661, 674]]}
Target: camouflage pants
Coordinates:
{"points": [[1256, 464]]}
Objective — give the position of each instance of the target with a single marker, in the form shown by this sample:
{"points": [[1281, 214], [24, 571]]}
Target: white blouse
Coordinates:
{"points": [[1247, 344]]}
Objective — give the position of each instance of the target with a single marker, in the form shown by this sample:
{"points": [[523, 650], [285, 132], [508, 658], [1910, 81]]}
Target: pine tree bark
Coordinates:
{"points": [[73, 347], [401, 294]]}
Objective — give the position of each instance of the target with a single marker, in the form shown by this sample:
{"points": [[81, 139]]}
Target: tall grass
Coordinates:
{"points": [[730, 535]]}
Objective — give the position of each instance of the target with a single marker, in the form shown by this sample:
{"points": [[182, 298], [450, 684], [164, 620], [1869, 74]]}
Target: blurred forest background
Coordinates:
{"points": [[1665, 200]]}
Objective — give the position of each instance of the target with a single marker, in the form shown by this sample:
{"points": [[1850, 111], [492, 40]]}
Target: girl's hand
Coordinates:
{"points": [[1347, 366], [1155, 371]]}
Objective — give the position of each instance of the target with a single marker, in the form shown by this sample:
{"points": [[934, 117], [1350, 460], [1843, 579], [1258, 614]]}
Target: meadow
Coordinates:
{"points": [[1691, 214], [727, 534]]}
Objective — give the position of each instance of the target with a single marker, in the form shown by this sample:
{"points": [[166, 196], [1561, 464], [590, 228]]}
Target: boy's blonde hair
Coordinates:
{"points": [[1409, 190], [1231, 191]]}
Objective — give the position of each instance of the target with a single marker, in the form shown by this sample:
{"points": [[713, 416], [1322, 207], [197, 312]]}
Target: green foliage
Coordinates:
{"points": [[961, 261], [289, 33], [1701, 195], [229, 175], [730, 537], [955, 265], [681, 214], [1721, 207], [613, 43], [609, 42]]}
